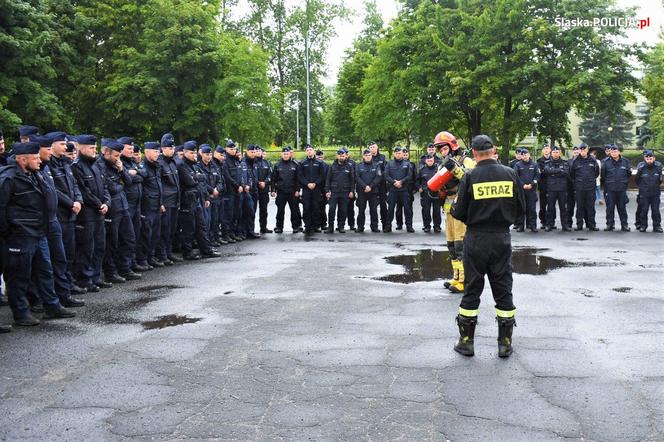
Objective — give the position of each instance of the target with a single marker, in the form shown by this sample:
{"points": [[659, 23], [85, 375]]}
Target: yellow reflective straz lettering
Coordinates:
{"points": [[493, 189]]}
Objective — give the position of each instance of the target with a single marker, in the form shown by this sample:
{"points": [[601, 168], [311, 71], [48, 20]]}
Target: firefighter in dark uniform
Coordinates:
{"points": [[615, 175], [286, 190], [339, 187], [312, 179], [368, 177], [24, 223], [133, 189], [529, 175], [398, 175], [264, 178], [381, 160], [152, 208], [90, 225], [322, 212], [556, 171], [649, 180], [70, 203], [487, 202], [584, 172], [431, 206], [170, 199]]}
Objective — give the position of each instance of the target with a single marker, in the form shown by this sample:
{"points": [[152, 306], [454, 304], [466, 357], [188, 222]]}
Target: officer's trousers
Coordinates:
{"points": [[69, 243], [554, 197], [430, 204], [263, 203], [248, 222], [341, 201], [529, 215], [194, 225], [169, 223], [571, 202], [350, 216], [402, 197], [120, 244], [543, 203], [362, 199], [215, 218], [616, 200], [231, 212], [382, 203], [28, 263], [61, 278], [490, 254], [150, 234], [135, 214], [90, 247], [585, 208], [650, 203], [310, 209], [322, 213], [293, 205]]}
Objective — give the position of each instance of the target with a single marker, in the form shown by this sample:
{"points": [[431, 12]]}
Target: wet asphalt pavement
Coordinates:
{"points": [[350, 337]]}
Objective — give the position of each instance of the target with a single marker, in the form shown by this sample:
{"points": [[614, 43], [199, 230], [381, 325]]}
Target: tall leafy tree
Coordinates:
{"points": [[595, 128], [653, 87]]}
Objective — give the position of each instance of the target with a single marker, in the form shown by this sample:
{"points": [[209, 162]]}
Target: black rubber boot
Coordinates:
{"points": [[465, 344], [505, 327]]}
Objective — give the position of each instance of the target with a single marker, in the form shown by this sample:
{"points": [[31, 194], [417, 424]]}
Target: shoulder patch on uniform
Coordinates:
{"points": [[493, 189]]}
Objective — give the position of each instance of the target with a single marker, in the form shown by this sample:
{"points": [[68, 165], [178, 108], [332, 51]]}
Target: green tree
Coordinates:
{"points": [[595, 128], [653, 87]]}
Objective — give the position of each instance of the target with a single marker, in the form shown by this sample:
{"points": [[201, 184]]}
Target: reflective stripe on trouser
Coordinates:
{"points": [[469, 313], [505, 313]]}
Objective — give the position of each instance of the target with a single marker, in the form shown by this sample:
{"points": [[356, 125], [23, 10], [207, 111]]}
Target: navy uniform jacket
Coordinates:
{"points": [[424, 175], [115, 182], [133, 188], [541, 162], [264, 174], [379, 159], [311, 170], [232, 173], [528, 173], [556, 173], [616, 174], [219, 168], [212, 178], [152, 186], [399, 170], [584, 173], [340, 178], [189, 185], [23, 205], [65, 184], [368, 174], [436, 161], [92, 184], [284, 176], [249, 172], [50, 192], [170, 182], [649, 178]]}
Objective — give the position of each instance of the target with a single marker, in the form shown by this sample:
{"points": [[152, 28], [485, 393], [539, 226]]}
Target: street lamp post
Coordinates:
{"points": [[297, 119]]}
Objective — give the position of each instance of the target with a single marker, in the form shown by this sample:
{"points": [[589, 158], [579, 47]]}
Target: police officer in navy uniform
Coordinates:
{"points": [[431, 151], [339, 187], [194, 199], [649, 180], [70, 201], [120, 236], [350, 216], [368, 177], [431, 207], [398, 175], [584, 172], [615, 175], [529, 176], [311, 175], [322, 211], [286, 190], [25, 132], [556, 171], [214, 189], [488, 200], [264, 178], [90, 225], [62, 281], [542, 185], [134, 188], [380, 159], [152, 207], [216, 204], [232, 197], [170, 199], [250, 195], [24, 224]]}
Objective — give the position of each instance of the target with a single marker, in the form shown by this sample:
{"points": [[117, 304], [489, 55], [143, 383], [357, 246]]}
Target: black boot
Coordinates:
{"points": [[465, 344], [505, 327]]}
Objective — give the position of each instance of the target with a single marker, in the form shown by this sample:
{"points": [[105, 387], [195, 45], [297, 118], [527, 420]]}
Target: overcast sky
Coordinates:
{"points": [[347, 30]]}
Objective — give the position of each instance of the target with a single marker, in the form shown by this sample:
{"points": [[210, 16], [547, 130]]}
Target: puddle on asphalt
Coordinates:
{"points": [[582, 239], [168, 321], [433, 265], [157, 287]]}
